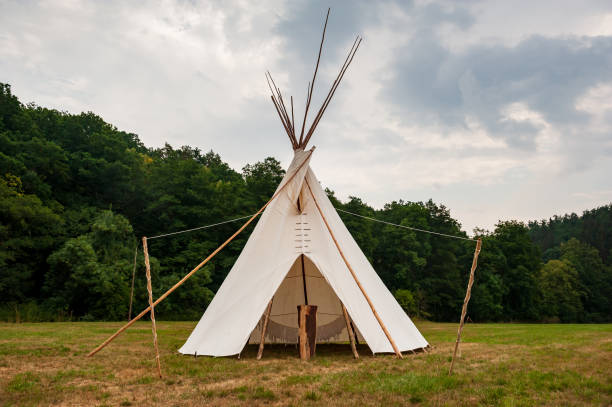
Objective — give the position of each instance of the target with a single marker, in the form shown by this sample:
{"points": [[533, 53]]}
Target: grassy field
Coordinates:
{"points": [[502, 364]]}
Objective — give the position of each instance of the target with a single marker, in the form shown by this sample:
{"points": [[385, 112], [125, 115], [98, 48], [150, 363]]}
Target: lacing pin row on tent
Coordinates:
{"points": [[301, 240]]}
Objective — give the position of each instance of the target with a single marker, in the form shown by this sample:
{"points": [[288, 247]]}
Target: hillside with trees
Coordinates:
{"points": [[76, 194]]}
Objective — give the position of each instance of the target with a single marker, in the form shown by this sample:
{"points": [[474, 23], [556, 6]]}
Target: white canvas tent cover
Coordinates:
{"points": [[269, 267]]}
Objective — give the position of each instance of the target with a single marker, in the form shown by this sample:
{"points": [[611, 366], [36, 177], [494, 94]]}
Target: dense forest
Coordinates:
{"points": [[76, 194]]}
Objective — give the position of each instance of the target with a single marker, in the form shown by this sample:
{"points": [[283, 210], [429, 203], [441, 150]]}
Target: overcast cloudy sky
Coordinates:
{"points": [[499, 109]]}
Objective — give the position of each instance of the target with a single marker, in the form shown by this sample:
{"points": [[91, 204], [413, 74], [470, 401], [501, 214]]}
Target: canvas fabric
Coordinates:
{"points": [[269, 267]]}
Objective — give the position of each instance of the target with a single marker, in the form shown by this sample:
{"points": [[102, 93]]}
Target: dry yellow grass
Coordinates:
{"points": [[502, 364]]}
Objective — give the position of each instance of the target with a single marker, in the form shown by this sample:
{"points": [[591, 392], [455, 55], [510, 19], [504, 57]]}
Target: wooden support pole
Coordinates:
{"points": [[363, 291], [264, 328], [132, 289], [199, 266], [468, 294], [299, 206], [307, 330], [349, 329], [355, 334], [304, 280], [150, 290]]}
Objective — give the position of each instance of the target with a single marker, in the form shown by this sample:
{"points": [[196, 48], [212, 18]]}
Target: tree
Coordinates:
{"points": [[89, 275], [594, 278], [262, 179], [489, 290], [520, 271], [406, 300], [27, 232], [593, 227], [558, 283], [362, 230]]}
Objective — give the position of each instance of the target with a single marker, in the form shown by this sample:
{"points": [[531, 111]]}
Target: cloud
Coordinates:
{"points": [[545, 74], [497, 110]]}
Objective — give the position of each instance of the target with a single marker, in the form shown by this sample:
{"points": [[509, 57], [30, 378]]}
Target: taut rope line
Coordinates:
{"points": [[406, 227], [338, 209], [199, 227]]}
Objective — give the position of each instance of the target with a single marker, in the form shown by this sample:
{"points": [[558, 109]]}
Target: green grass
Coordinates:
{"points": [[501, 364], [23, 382]]}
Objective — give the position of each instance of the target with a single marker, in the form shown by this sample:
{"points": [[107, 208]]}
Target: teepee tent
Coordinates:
{"points": [[301, 253], [293, 229]]}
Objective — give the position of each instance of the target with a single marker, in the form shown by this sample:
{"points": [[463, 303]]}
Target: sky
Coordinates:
{"points": [[498, 110]]}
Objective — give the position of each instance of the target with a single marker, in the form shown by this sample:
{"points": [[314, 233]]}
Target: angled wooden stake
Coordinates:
{"points": [[349, 329], [363, 291], [468, 294], [150, 290], [264, 328]]}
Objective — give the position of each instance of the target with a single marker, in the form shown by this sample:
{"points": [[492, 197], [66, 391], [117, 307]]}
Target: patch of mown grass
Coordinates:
{"points": [[260, 393], [23, 382], [519, 334], [323, 361], [64, 375], [379, 381], [103, 396], [412, 383], [545, 383], [312, 396], [491, 396], [502, 364], [61, 376], [240, 392], [202, 367], [20, 349], [144, 380], [209, 394], [300, 379], [394, 382]]}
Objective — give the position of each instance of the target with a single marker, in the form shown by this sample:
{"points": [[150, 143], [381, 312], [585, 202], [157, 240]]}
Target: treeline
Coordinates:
{"points": [[519, 277], [75, 193]]}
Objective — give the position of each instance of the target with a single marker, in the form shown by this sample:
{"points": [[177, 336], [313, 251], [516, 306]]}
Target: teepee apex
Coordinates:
{"points": [[279, 104]]}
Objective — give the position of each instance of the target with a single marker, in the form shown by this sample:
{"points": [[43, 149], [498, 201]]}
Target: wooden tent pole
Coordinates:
{"points": [[380, 322], [310, 87], [150, 290], [299, 206], [199, 266], [304, 280], [468, 294], [263, 329], [132, 289], [332, 90], [349, 329]]}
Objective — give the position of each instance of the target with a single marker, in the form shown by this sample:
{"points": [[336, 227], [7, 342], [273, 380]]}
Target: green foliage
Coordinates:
{"points": [[405, 299], [558, 283], [432, 268], [262, 179], [593, 278], [27, 230], [89, 275], [75, 192], [593, 227], [519, 271]]}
